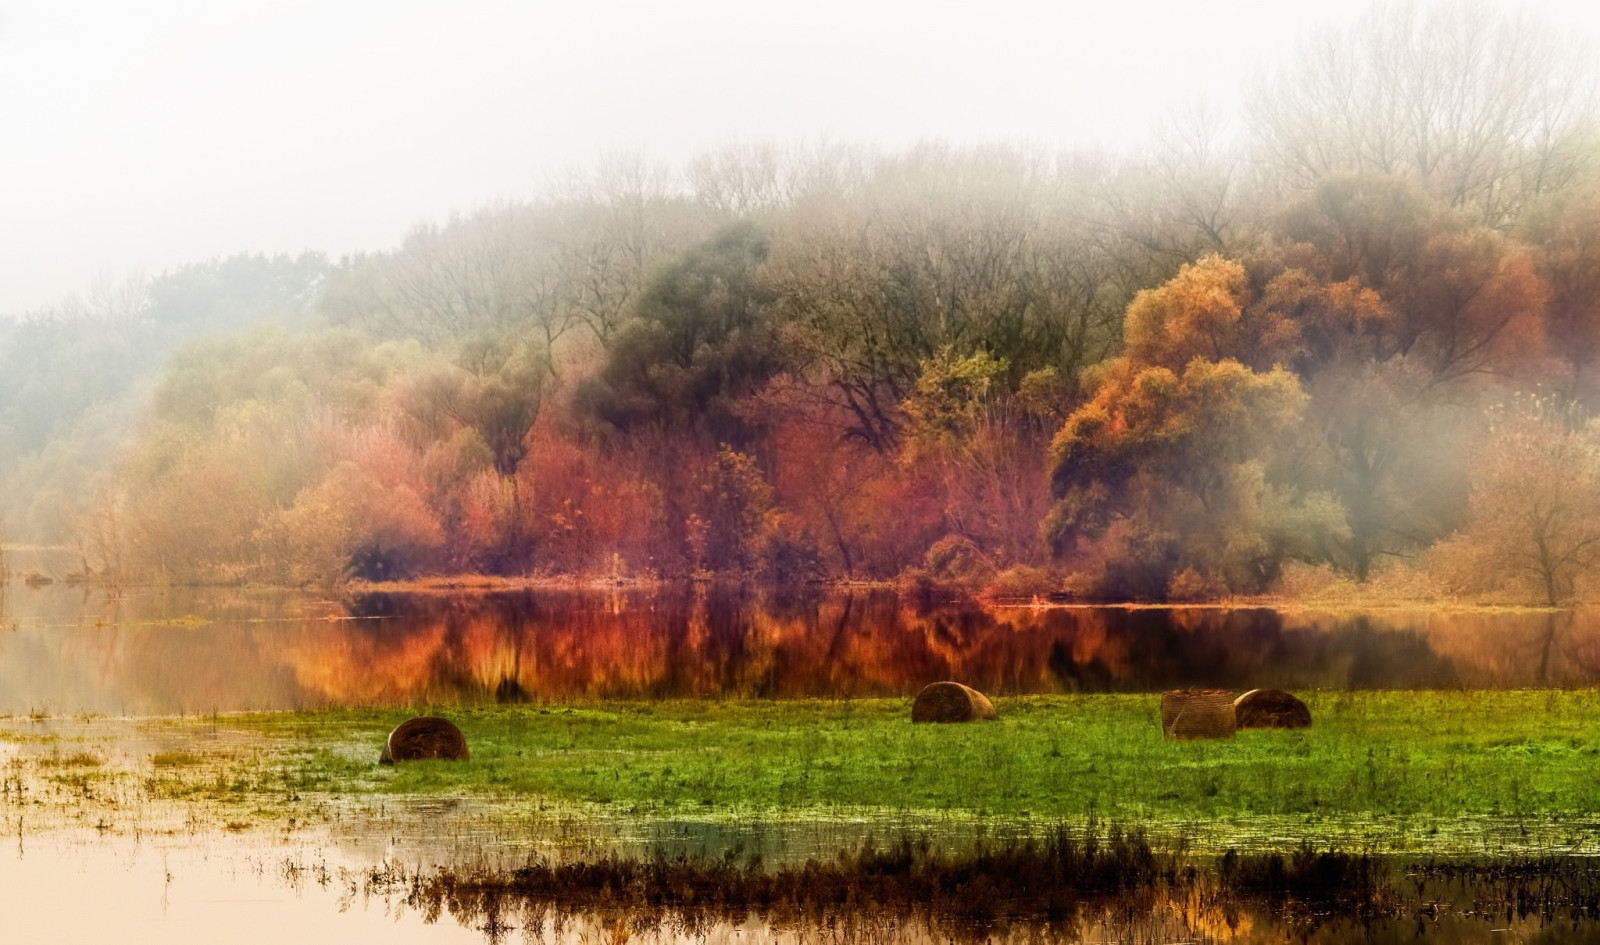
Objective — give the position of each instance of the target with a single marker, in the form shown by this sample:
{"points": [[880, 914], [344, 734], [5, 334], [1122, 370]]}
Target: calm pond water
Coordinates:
{"points": [[148, 651]]}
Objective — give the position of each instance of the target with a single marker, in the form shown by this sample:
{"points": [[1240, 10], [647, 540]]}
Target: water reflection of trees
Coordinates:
{"points": [[708, 643], [151, 653]]}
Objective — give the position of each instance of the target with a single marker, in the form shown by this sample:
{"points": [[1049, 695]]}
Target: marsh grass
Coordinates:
{"points": [[82, 759], [1037, 859], [1392, 754], [1398, 772]]}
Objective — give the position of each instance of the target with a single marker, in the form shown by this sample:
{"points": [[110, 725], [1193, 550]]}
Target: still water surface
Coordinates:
{"points": [[146, 652], [65, 650]]}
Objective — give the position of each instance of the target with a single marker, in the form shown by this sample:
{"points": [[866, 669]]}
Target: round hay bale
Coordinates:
{"points": [[1197, 713], [422, 738], [952, 702], [1270, 708]]}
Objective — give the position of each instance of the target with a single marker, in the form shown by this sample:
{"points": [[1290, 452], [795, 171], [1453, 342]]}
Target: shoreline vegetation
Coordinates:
{"points": [[1274, 366], [452, 584], [1337, 597]]}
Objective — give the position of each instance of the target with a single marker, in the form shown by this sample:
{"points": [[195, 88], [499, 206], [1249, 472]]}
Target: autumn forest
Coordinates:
{"points": [[1352, 343]]}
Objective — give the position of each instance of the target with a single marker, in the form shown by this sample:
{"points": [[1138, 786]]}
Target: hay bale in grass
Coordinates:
{"points": [[423, 738], [952, 702], [1197, 713], [1270, 708]]}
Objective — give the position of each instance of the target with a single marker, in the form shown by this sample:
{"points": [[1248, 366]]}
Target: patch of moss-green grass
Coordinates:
{"points": [[1392, 754]]}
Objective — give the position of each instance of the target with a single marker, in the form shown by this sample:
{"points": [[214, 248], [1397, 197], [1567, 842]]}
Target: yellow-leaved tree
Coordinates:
{"points": [[1163, 479]]}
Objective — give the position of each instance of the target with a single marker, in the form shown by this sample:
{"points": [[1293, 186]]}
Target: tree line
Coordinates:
{"points": [[1356, 340]]}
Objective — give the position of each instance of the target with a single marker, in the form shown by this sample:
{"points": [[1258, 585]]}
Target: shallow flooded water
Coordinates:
{"points": [[120, 863], [61, 891], [148, 651]]}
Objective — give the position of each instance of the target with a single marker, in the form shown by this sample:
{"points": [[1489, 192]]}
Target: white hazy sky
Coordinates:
{"points": [[137, 136]]}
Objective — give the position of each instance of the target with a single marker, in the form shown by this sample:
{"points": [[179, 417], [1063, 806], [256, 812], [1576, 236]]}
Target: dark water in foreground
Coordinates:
{"points": [[244, 891], [146, 651]]}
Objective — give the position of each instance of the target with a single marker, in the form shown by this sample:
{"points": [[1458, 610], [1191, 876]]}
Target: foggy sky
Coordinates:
{"points": [[140, 137]]}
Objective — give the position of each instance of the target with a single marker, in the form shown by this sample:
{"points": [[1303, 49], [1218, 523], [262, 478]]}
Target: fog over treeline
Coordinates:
{"points": [[1354, 341]]}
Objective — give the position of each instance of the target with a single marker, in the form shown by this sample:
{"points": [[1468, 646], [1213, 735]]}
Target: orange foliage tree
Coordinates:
{"points": [[1162, 472]]}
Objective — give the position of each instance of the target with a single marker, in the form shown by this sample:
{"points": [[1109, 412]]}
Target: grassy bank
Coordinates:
{"points": [[1425, 754]]}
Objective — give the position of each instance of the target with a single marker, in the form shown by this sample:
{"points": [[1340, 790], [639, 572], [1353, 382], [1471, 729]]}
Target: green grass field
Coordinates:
{"points": [[1428, 755]]}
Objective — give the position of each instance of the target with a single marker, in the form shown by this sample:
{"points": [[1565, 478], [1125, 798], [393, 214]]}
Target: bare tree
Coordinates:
{"points": [[618, 222], [984, 250], [1534, 516], [760, 179], [487, 272], [1485, 108]]}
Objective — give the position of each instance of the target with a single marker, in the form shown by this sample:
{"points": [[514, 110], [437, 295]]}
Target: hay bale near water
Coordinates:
{"points": [[1197, 713], [952, 702], [422, 738], [1270, 708]]}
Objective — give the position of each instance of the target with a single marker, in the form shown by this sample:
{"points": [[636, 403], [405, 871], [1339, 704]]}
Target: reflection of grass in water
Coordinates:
{"points": [[1428, 754], [962, 894], [1068, 885]]}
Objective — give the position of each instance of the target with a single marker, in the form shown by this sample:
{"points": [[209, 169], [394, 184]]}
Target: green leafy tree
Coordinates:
{"points": [[700, 338], [948, 400]]}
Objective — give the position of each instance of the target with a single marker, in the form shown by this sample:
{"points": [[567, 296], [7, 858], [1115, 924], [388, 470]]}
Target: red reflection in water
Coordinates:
{"points": [[200, 651]]}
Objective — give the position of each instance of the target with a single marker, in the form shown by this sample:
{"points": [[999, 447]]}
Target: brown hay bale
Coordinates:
{"points": [[1270, 708], [1197, 713], [952, 702], [422, 738]]}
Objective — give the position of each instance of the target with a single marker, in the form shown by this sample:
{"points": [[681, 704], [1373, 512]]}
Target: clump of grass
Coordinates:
{"points": [[175, 759], [82, 759]]}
